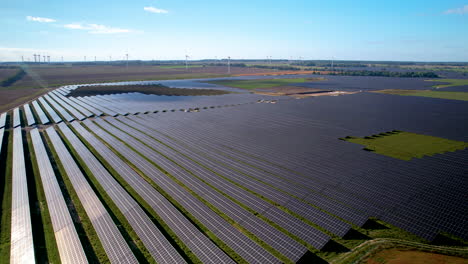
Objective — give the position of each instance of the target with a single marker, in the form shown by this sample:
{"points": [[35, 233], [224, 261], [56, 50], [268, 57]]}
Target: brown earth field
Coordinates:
{"points": [[6, 72], [51, 76], [145, 89], [397, 256]]}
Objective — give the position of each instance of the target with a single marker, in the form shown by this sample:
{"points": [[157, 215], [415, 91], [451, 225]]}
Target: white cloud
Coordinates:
{"points": [[460, 10], [97, 29], [155, 10], [40, 19]]}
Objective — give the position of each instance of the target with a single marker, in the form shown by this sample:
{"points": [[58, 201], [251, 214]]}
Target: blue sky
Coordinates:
{"points": [[413, 30]]}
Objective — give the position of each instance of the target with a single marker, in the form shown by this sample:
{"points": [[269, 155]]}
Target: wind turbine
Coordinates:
{"points": [[127, 58], [85, 58], [22, 58], [186, 61], [229, 64]]}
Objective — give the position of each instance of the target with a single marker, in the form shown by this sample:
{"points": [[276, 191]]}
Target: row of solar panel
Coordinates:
{"points": [[318, 164]]}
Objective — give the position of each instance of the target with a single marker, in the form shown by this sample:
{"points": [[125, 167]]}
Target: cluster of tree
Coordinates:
{"points": [[242, 65], [8, 67], [329, 64], [14, 78], [278, 67], [387, 74]]}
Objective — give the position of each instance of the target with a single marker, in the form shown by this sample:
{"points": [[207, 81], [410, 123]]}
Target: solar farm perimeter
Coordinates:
{"points": [[234, 178]]}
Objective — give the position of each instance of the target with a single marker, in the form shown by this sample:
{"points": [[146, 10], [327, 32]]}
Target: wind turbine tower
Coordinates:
{"points": [[229, 64], [22, 58], [127, 59], [186, 62]]}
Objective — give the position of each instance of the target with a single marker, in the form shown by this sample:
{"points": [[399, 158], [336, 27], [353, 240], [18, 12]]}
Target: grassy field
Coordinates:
{"points": [[463, 96], [145, 89], [402, 256], [451, 82], [260, 83], [406, 145]]}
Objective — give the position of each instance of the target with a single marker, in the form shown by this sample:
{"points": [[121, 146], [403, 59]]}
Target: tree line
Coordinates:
{"points": [[14, 78]]}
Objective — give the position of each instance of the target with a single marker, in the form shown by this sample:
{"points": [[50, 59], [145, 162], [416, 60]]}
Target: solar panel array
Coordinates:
{"points": [[2, 131], [159, 247], [68, 242], [16, 117], [22, 246], [40, 113], [215, 223], [309, 234], [29, 115], [274, 173], [60, 110], [55, 117], [335, 176], [198, 243], [3, 117], [114, 244], [276, 239]]}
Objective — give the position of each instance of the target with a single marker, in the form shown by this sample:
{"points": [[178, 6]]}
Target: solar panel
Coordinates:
{"points": [[55, 117], [198, 243], [111, 239], [29, 116], [21, 240], [3, 119], [158, 246], [42, 116], [68, 242], [16, 117]]}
